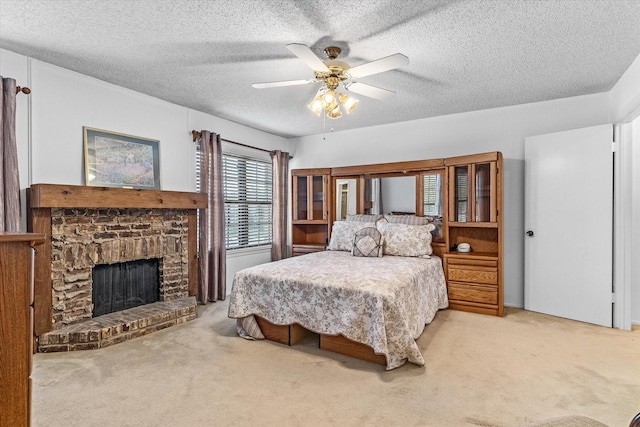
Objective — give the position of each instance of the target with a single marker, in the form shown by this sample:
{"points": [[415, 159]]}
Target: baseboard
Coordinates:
{"points": [[506, 304]]}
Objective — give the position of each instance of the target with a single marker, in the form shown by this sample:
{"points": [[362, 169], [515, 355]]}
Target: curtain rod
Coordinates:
{"points": [[23, 89], [197, 135]]}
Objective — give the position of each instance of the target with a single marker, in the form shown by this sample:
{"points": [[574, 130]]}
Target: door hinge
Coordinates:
{"points": [[613, 298], [614, 147]]}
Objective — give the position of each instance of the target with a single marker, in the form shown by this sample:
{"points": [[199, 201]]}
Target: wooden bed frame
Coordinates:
{"points": [[293, 334]]}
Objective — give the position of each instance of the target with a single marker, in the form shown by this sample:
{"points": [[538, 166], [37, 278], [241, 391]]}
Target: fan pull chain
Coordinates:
{"points": [[324, 127]]}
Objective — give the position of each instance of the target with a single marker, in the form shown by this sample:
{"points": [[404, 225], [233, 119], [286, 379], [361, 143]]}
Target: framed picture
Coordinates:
{"points": [[118, 160]]}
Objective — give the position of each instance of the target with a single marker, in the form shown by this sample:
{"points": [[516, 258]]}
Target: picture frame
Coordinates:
{"points": [[114, 159]]}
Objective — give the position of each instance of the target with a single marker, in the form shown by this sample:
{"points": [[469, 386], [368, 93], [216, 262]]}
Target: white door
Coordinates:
{"points": [[569, 224]]}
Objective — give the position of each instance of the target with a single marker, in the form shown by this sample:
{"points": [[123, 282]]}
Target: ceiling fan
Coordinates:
{"points": [[334, 73]]}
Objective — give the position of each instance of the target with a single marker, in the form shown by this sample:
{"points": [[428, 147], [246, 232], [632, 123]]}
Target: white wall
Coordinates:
{"points": [[625, 95], [398, 194], [500, 129], [50, 120]]}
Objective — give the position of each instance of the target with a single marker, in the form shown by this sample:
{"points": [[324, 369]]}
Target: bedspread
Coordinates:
{"points": [[383, 302]]}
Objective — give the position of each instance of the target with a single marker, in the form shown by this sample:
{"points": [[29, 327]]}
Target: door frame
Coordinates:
{"points": [[603, 294], [623, 229]]}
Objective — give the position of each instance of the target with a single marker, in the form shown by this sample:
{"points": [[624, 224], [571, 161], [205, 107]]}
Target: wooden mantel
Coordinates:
{"points": [[77, 196], [41, 198]]}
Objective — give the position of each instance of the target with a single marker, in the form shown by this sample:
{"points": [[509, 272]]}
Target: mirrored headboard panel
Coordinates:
{"points": [[401, 188]]}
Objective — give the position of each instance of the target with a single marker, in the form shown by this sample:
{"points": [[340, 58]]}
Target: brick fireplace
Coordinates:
{"points": [[89, 226]]}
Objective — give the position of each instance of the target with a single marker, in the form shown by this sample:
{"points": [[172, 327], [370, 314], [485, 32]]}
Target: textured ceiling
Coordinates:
{"points": [[464, 54]]}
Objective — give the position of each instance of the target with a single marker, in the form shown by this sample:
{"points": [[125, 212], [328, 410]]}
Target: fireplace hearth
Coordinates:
{"points": [[92, 228]]}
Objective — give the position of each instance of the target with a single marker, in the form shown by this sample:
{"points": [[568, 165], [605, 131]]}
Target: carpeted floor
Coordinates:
{"points": [[480, 371]]}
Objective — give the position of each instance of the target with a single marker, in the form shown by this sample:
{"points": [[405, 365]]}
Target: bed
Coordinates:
{"points": [[382, 302]]}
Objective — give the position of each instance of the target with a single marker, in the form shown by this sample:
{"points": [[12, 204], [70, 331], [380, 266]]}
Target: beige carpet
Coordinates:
{"points": [[480, 371]]}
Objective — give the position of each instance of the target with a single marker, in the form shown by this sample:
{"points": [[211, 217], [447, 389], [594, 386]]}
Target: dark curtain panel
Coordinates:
{"points": [[212, 247], [280, 161], [9, 179]]}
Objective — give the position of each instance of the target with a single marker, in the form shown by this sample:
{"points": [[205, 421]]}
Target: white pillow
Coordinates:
{"points": [[364, 217], [417, 220], [342, 234], [406, 240]]}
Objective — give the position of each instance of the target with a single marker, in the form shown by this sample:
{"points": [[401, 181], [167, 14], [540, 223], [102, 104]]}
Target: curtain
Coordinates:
{"points": [[280, 162], [212, 247], [9, 180]]}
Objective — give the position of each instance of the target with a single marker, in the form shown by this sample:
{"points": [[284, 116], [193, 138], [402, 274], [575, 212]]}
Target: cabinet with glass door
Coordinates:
{"points": [[310, 206], [473, 263]]}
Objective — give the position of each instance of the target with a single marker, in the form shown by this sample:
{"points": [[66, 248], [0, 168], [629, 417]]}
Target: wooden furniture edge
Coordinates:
{"points": [[311, 171], [16, 325], [395, 167], [34, 239], [491, 156], [283, 334], [294, 333], [39, 221], [340, 344], [475, 308]]}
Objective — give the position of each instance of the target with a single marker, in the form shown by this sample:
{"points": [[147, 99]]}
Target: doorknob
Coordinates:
{"points": [[529, 233]]}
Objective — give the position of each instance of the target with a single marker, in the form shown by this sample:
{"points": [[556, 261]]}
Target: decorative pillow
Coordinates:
{"points": [[364, 217], [367, 242], [409, 219], [417, 220], [342, 234], [406, 240]]}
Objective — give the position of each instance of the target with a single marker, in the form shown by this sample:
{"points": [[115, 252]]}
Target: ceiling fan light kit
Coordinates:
{"points": [[334, 73], [328, 100]]}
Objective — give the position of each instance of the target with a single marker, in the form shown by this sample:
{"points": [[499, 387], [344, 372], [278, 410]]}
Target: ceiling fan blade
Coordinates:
{"points": [[305, 53], [284, 83], [379, 65], [370, 91]]}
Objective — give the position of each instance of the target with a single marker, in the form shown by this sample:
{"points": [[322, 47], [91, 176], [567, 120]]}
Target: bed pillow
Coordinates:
{"points": [[364, 217], [342, 234], [417, 220], [406, 240], [367, 242]]}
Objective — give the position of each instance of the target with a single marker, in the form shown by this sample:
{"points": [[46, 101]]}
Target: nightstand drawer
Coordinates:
{"points": [[472, 274], [473, 293], [470, 260]]}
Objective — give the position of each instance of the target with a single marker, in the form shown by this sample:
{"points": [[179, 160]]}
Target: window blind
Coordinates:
{"points": [[247, 188], [432, 190], [462, 191]]}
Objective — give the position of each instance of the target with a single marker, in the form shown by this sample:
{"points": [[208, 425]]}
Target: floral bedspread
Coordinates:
{"points": [[384, 302]]}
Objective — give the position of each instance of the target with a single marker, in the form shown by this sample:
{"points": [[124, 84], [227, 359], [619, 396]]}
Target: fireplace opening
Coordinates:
{"points": [[125, 285]]}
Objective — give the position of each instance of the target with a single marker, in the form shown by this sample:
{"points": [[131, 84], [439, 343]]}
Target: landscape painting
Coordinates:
{"points": [[119, 160]]}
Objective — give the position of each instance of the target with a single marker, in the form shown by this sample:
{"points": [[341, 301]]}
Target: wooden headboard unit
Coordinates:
{"points": [[471, 201]]}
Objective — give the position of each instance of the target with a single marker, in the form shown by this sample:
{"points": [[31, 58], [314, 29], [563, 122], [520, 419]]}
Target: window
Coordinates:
{"points": [[247, 188], [432, 186], [247, 201], [462, 193]]}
